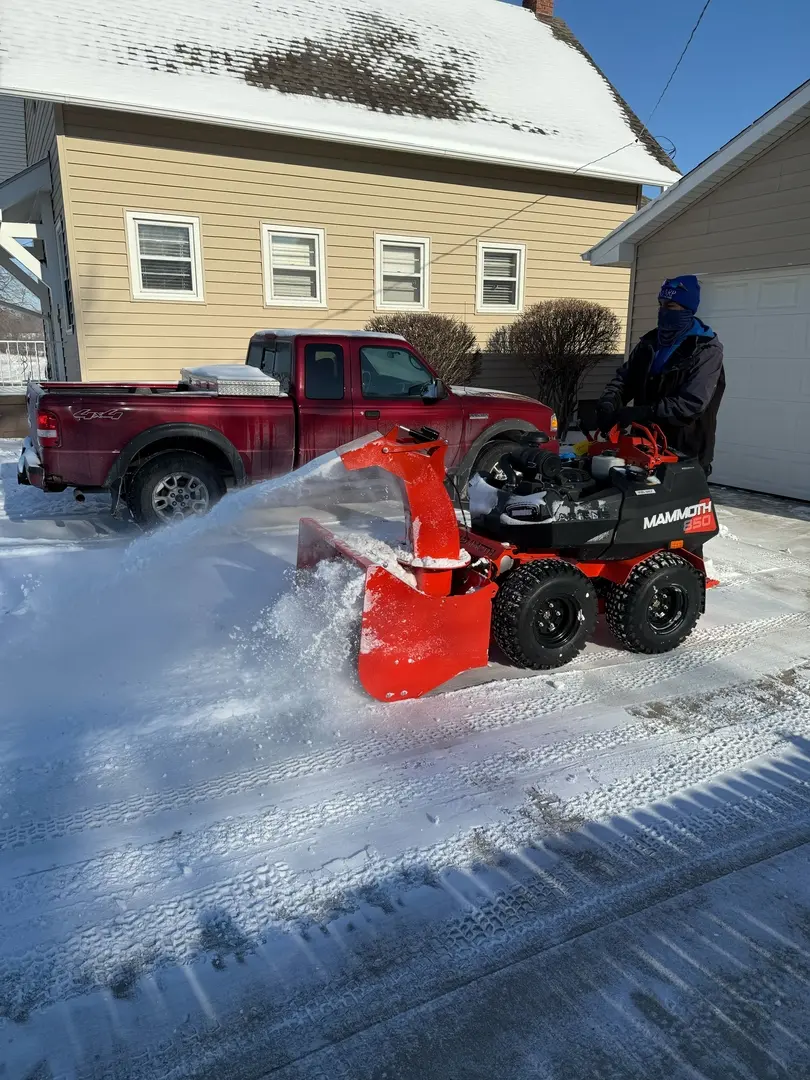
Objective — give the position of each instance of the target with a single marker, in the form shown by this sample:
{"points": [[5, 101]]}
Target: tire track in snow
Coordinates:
{"points": [[268, 831], [559, 889], [269, 892], [605, 685]]}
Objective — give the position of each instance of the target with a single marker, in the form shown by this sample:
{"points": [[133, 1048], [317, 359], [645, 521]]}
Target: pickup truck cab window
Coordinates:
{"points": [[273, 358], [323, 372], [392, 373]]}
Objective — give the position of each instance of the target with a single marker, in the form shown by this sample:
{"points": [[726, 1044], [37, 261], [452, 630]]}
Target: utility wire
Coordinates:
{"points": [[662, 95], [680, 60], [579, 169]]}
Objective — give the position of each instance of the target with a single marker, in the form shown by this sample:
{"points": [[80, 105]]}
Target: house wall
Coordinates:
{"points": [[12, 136], [43, 139], [233, 180], [757, 220]]}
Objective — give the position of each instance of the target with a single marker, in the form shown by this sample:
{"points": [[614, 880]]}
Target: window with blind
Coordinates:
{"points": [[294, 266], [402, 266], [500, 277], [165, 256]]}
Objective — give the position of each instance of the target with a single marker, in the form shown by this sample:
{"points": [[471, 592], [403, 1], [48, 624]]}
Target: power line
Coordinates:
{"points": [[594, 161], [646, 126], [680, 60]]}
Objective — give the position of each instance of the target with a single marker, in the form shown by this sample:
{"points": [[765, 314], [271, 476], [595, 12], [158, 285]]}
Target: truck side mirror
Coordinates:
{"points": [[433, 392]]}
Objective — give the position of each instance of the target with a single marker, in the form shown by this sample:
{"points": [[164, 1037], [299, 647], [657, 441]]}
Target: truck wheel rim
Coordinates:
{"points": [[178, 496], [667, 609]]}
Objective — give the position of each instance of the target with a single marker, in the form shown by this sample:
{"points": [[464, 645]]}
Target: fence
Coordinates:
{"points": [[19, 362], [504, 371]]}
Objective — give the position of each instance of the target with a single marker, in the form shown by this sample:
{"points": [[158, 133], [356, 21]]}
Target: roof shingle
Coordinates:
{"points": [[472, 79]]}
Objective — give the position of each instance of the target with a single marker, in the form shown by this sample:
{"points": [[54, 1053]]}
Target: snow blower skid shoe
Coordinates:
{"points": [[427, 619]]}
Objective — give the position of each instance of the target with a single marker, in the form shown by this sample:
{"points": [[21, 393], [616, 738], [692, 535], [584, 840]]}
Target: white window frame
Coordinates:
{"points": [[196, 296], [310, 233], [482, 308], [380, 240]]}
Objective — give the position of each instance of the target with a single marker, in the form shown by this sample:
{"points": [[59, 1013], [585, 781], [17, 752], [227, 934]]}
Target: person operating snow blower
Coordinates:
{"points": [[674, 377]]}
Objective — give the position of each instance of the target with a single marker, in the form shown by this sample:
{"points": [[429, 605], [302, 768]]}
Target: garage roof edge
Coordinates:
{"points": [[618, 247]]}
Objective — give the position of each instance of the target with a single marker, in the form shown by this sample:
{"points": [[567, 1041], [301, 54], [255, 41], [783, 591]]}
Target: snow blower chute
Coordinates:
{"points": [[552, 543], [431, 620]]}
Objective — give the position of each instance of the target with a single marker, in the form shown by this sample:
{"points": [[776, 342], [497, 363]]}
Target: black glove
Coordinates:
{"points": [[605, 416], [634, 414]]}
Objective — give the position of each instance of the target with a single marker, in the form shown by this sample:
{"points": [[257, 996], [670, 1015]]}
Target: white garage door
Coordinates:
{"points": [[763, 430]]}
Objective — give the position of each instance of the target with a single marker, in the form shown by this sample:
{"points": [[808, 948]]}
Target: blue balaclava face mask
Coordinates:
{"points": [[674, 324]]}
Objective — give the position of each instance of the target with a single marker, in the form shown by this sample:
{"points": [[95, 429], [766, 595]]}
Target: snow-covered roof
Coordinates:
{"points": [[618, 247], [474, 79]]}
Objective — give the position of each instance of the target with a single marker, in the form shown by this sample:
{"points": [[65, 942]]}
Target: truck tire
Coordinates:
{"points": [[658, 606], [174, 486], [544, 613], [490, 454]]}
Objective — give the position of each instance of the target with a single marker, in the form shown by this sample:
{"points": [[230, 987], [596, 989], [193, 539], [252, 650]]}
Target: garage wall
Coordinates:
{"points": [[757, 220]]}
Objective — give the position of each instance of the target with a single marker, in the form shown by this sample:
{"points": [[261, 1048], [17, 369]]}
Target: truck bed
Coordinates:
{"points": [[97, 422]]}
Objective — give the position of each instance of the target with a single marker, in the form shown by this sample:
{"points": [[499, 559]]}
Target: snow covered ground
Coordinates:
{"points": [[218, 859]]}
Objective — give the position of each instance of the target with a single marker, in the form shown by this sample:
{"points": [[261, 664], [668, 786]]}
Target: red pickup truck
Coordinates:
{"points": [[169, 450]]}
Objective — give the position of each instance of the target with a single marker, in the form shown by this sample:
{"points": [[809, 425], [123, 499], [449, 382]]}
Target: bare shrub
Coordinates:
{"points": [[560, 341]]}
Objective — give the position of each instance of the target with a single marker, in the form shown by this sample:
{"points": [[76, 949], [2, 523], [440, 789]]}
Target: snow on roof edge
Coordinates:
{"points": [[662, 179]]}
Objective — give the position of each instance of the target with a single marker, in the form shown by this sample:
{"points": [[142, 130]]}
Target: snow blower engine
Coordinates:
{"points": [[551, 543]]}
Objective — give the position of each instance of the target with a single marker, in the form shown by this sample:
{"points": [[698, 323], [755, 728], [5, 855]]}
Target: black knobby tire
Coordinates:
{"points": [[207, 487], [544, 613], [658, 606]]}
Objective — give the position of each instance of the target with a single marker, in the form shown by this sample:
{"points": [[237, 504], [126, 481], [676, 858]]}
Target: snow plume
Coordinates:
{"points": [[228, 515], [306, 642], [194, 624]]}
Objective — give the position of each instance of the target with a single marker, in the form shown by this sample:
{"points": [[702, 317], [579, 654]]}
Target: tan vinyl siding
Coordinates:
{"points": [[757, 220], [233, 181], [12, 136]]}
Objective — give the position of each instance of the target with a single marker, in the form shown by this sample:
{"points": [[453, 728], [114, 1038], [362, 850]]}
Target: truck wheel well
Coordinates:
{"points": [[501, 431], [202, 447], [505, 436]]}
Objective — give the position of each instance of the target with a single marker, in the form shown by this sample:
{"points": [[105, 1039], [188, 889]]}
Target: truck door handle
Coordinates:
{"points": [[372, 414]]}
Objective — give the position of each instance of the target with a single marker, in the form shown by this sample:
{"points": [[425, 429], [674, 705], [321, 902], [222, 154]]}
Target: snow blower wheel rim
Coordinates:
{"points": [[180, 495], [668, 608], [556, 621]]}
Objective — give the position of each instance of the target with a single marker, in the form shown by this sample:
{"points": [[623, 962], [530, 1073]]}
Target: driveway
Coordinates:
{"points": [[218, 859]]}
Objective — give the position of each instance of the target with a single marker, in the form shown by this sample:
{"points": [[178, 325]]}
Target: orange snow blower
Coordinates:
{"points": [[551, 544]]}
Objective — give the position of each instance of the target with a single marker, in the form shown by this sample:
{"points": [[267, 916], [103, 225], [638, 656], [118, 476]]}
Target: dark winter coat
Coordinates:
{"points": [[685, 395]]}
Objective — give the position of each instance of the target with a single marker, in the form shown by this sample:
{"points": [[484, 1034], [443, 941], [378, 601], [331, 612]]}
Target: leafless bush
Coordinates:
{"points": [[560, 341], [448, 344]]}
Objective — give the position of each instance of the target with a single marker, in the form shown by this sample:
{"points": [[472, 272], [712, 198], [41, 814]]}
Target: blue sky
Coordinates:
{"points": [[746, 55]]}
